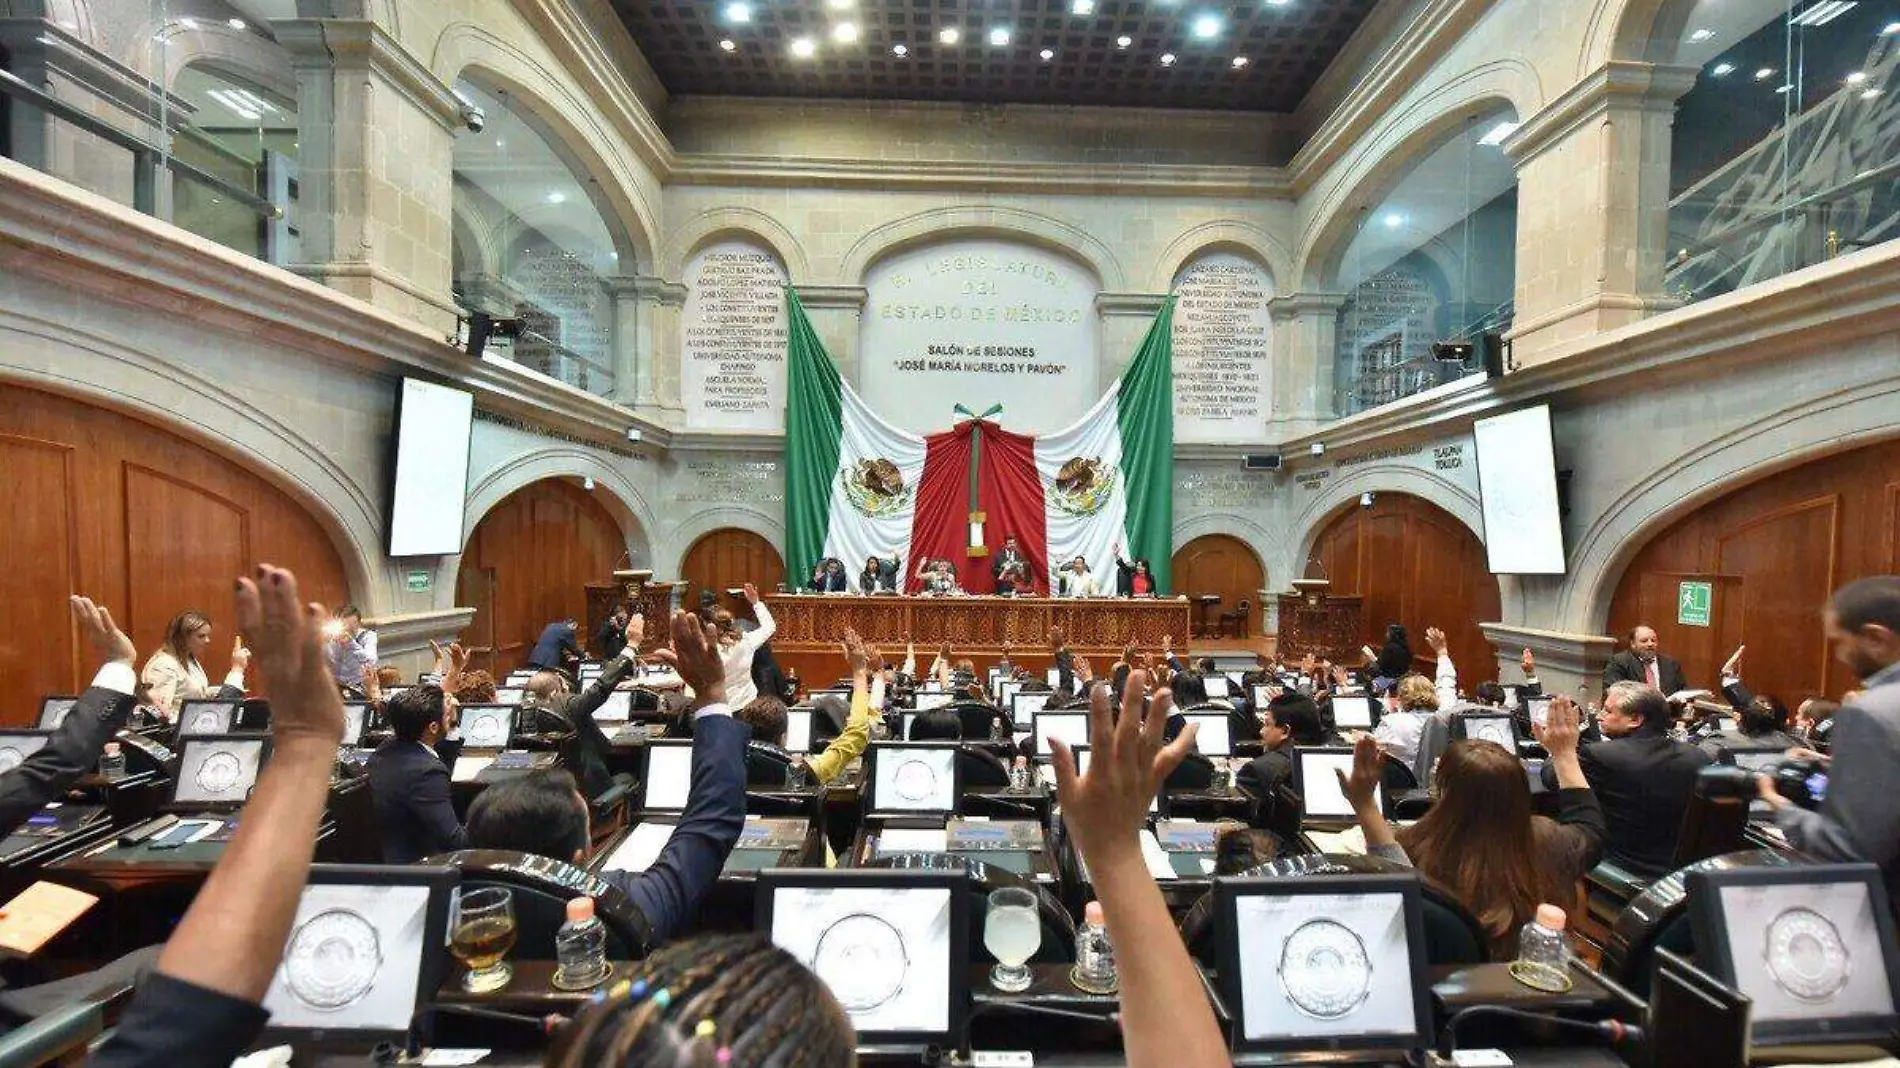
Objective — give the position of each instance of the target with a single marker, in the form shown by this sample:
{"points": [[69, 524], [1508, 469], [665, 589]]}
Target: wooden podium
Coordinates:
{"points": [[1314, 621], [638, 591]]}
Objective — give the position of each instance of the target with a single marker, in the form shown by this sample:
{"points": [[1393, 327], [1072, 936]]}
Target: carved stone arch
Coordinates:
{"points": [[237, 53], [573, 127], [693, 527], [1835, 423], [1343, 493], [65, 360], [1223, 235], [948, 223], [73, 16], [474, 231], [1642, 30], [1385, 157], [748, 223]]}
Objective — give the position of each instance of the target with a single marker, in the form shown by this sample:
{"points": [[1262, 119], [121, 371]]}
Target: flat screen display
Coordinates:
{"points": [[1517, 490], [16, 746], [354, 959], [616, 709], [798, 730], [217, 770], [432, 435], [885, 953], [1071, 727], [1024, 707], [54, 710], [1212, 738], [669, 775], [1319, 785], [914, 779], [207, 717], [1325, 966]]}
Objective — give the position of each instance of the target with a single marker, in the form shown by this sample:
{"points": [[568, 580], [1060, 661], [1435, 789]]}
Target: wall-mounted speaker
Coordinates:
{"points": [[1260, 461]]}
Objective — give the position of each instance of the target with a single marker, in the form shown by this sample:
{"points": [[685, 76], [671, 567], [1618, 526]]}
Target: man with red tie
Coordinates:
{"points": [[1642, 663]]}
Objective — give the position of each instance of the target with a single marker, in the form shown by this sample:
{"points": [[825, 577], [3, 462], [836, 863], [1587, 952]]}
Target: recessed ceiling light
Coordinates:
{"points": [[1891, 28], [1207, 27], [845, 32], [1167, 59], [727, 45], [1869, 94], [1722, 68], [949, 35], [1124, 41], [499, 143], [1784, 88], [1857, 77], [236, 24], [1047, 54], [999, 36], [1239, 62], [1496, 134], [1082, 7], [803, 47], [839, 5], [1393, 219], [1824, 12], [190, 23], [1276, 3], [557, 197], [1764, 74], [900, 49], [739, 12], [1701, 35]]}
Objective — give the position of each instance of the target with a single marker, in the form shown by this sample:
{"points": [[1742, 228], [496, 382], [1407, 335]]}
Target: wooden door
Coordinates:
{"points": [[726, 559], [475, 588], [1224, 565], [536, 552]]}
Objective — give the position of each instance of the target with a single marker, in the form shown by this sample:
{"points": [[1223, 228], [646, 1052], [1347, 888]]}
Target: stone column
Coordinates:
{"points": [[837, 314], [1593, 207], [377, 156], [1566, 663], [647, 344], [1305, 326]]}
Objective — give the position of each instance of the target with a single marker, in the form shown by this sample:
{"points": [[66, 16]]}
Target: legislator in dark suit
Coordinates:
{"points": [[1643, 781], [558, 646], [71, 752], [409, 784], [669, 890], [1628, 667], [575, 712], [1007, 558]]}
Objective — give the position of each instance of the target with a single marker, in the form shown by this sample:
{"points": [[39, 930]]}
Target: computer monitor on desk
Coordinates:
{"points": [[617, 708], [1334, 964], [893, 946], [1499, 727], [1812, 946], [54, 710], [1354, 710], [217, 772], [1024, 707], [798, 729], [666, 774], [1212, 736], [356, 717], [1316, 779], [16, 746], [488, 726], [1071, 727], [912, 779], [207, 717]]}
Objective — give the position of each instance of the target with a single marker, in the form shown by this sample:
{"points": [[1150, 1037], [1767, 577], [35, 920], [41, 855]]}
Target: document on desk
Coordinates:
{"points": [[912, 840], [1155, 857], [641, 848], [38, 913], [1351, 841], [467, 767]]}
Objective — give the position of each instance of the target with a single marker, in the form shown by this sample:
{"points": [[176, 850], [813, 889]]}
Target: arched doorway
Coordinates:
{"points": [[1414, 563], [1773, 552], [141, 519], [725, 559], [1224, 565], [528, 564]]}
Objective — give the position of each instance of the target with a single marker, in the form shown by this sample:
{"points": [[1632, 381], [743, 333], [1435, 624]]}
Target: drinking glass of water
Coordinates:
{"points": [[1012, 931], [482, 932]]}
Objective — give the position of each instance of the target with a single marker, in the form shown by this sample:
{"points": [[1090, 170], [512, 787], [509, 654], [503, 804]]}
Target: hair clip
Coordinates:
{"points": [[638, 989], [663, 997], [706, 1029], [724, 1056]]}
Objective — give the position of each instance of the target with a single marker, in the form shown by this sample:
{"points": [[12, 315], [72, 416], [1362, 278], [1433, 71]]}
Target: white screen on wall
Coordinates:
{"points": [[1517, 486], [431, 469]]}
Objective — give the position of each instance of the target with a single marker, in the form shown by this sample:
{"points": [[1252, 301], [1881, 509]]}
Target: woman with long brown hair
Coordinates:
{"points": [[175, 674], [1481, 840]]}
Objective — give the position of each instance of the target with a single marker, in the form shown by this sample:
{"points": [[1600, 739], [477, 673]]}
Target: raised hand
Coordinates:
{"points": [[1734, 664], [372, 683], [1368, 768], [855, 654], [696, 653], [636, 630], [751, 593], [240, 656], [1056, 638], [1079, 667], [1561, 729], [1528, 663], [105, 637], [1105, 808], [1436, 639], [304, 700]]}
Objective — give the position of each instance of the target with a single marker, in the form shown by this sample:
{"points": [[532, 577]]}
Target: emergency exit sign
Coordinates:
{"points": [[1693, 603]]}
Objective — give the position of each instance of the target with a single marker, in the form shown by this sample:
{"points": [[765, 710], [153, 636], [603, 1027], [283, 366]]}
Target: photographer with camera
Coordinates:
{"points": [[1859, 819]]}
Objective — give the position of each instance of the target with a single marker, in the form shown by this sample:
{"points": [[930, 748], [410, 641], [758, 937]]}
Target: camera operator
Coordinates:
{"points": [[1860, 817]]}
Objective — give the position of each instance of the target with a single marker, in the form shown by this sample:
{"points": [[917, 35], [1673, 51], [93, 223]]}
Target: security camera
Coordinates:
{"points": [[474, 118], [1365, 500], [1318, 448], [634, 435]]}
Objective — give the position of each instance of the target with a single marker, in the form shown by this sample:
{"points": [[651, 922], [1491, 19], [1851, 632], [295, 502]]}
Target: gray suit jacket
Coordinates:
{"points": [[1860, 820]]}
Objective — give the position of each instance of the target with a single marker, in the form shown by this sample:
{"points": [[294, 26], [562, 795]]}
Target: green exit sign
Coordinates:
{"points": [[1694, 601], [419, 581]]}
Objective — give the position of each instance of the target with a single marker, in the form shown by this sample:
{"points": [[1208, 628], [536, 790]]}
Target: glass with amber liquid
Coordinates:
{"points": [[482, 933]]}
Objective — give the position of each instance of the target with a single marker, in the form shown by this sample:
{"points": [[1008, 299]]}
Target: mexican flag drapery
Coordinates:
{"points": [[857, 487]]}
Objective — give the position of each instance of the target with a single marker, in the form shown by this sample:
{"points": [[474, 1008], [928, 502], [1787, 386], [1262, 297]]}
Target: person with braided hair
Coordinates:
{"points": [[717, 1001]]}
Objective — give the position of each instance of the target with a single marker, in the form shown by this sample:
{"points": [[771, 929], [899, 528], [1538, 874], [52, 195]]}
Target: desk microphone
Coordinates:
{"points": [[1611, 1032]]}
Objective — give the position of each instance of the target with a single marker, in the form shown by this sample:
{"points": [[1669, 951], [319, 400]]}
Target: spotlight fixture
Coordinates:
{"points": [[739, 12], [804, 47], [999, 36], [1082, 7], [1393, 219], [1365, 500], [1784, 87], [557, 197], [1721, 69], [1239, 62], [1890, 29], [1701, 35], [1869, 94], [845, 32], [1318, 448], [727, 45], [900, 50], [1857, 77], [1276, 3], [587, 483], [1124, 41], [1047, 54], [1207, 27], [237, 24], [839, 5], [188, 22], [1167, 59], [949, 35], [1764, 74]]}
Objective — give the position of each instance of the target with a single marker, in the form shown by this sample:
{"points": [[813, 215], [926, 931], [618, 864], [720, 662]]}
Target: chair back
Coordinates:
{"points": [[1658, 918], [1196, 772], [542, 887], [766, 765], [977, 719], [1711, 826], [982, 769], [1058, 927], [357, 838], [58, 1037], [1432, 742]]}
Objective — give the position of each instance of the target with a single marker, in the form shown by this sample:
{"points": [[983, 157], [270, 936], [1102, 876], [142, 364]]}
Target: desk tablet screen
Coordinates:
{"points": [[915, 779], [1024, 706], [1320, 787], [354, 959], [487, 727], [1492, 729], [1216, 685], [617, 708], [927, 700], [1352, 711], [1071, 727], [207, 717], [54, 710], [355, 716], [669, 775], [885, 953], [217, 770], [798, 730], [15, 748], [510, 696], [1807, 952], [1325, 965], [1213, 738]]}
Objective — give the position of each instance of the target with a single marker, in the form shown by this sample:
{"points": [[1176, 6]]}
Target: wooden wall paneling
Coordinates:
{"points": [[729, 557], [1787, 541], [155, 523], [1224, 565], [530, 560], [39, 647]]}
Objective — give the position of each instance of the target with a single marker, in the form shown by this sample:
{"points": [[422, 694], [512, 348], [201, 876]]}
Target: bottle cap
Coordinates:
{"points": [[1551, 916], [1092, 912], [112, 749], [581, 909]]}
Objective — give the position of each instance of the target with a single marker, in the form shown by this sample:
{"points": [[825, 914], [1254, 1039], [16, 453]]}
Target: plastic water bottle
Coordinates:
{"points": [[580, 948], [1094, 970], [112, 763], [1543, 956], [1019, 776]]}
